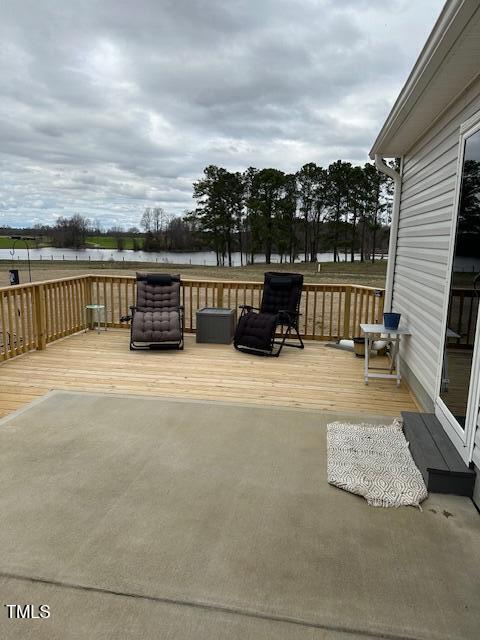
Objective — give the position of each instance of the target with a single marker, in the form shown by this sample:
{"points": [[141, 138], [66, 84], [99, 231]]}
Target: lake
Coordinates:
{"points": [[198, 258]]}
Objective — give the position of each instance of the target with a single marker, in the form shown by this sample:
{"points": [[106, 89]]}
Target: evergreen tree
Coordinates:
{"points": [[217, 208], [337, 200], [307, 179], [264, 203]]}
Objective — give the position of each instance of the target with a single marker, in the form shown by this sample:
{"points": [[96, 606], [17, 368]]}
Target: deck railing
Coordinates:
{"points": [[35, 314], [462, 318], [328, 311]]}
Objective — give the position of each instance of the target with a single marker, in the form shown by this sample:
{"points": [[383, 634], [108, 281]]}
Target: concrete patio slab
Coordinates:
{"points": [[82, 614], [175, 519]]}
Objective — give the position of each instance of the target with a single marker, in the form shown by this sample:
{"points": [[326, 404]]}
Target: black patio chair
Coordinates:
{"points": [[257, 328], [157, 318]]}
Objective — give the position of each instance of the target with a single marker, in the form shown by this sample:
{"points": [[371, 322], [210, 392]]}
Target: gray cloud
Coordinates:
{"points": [[110, 107]]}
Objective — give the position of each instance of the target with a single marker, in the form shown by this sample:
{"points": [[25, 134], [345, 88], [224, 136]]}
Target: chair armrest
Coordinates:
{"points": [[289, 314], [248, 307], [129, 317]]}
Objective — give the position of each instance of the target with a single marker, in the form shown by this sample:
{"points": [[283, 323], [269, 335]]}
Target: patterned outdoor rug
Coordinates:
{"points": [[374, 462]]}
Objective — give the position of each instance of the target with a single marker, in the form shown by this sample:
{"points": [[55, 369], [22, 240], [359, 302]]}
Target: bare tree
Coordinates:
{"points": [[119, 235], [146, 221], [70, 232]]}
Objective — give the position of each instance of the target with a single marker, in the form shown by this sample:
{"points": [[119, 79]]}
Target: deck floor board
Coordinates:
{"points": [[318, 377]]}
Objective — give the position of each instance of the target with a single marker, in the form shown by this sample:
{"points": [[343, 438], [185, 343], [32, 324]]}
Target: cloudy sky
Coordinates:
{"points": [[109, 106]]}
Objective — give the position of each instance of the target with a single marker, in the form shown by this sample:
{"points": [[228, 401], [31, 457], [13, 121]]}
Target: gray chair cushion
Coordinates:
{"points": [[159, 294], [156, 326], [157, 316]]}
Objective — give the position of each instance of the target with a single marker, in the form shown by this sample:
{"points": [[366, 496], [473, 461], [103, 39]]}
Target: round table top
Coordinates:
{"points": [[94, 306]]}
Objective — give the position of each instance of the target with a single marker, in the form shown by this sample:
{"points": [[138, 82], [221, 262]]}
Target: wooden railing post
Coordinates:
{"points": [[3, 318], [380, 294], [346, 312], [219, 294], [89, 290], [40, 317], [88, 300]]}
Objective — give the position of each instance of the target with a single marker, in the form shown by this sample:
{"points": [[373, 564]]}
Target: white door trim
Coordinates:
{"points": [[452, 429], [474, 393], [463, 439]]}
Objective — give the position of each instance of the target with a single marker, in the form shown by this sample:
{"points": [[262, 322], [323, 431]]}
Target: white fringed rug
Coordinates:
{"points": [[374, 462]]}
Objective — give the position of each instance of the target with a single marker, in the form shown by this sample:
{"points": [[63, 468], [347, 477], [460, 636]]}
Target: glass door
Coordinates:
{"points": [[464, 293]]}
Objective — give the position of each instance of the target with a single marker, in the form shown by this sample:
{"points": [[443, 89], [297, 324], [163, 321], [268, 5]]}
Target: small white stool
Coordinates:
{"points": [[393, 337], [98, 308]]}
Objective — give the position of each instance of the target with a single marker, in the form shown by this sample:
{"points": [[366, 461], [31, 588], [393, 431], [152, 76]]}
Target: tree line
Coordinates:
{"points": [[343, 208], [161, 232]]}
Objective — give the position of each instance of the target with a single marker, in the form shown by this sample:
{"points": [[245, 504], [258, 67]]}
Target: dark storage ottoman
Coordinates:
{"points": [[216, 325]]}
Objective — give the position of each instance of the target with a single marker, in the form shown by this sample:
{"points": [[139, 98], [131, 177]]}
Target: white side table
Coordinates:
{"points": [[391, 335], [97, 308]]}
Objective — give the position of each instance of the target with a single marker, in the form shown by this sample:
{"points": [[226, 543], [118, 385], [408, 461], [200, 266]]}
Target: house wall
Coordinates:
{"points": [[429, 180]]}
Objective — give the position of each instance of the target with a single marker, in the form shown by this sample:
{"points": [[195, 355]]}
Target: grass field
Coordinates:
{"points": [[110, 242], [7, 243], [101, 242], [335, 273]]}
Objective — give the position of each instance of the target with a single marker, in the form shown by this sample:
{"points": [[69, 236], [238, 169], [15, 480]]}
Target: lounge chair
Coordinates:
{"points": [[157, 318], [256, 329]]}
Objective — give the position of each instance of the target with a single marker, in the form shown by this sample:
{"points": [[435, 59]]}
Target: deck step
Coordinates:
{"points": [[435, 455]]}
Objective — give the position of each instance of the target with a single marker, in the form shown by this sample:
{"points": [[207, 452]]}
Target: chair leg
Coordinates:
{"points": [[287, 335], [281, 342], [301, 345]]}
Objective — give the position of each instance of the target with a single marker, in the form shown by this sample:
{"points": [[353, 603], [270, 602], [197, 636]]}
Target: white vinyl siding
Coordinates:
{"points": [[429, 180]]}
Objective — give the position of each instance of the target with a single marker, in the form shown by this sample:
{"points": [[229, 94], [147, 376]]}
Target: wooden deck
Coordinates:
{"points": [[318, 377]]}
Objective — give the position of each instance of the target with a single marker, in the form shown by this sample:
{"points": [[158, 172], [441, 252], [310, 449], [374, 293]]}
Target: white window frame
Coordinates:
{"points": [[463, 439]]}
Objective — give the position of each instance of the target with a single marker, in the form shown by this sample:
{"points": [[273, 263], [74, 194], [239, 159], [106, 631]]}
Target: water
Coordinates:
{"points": [[198, 258]]}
